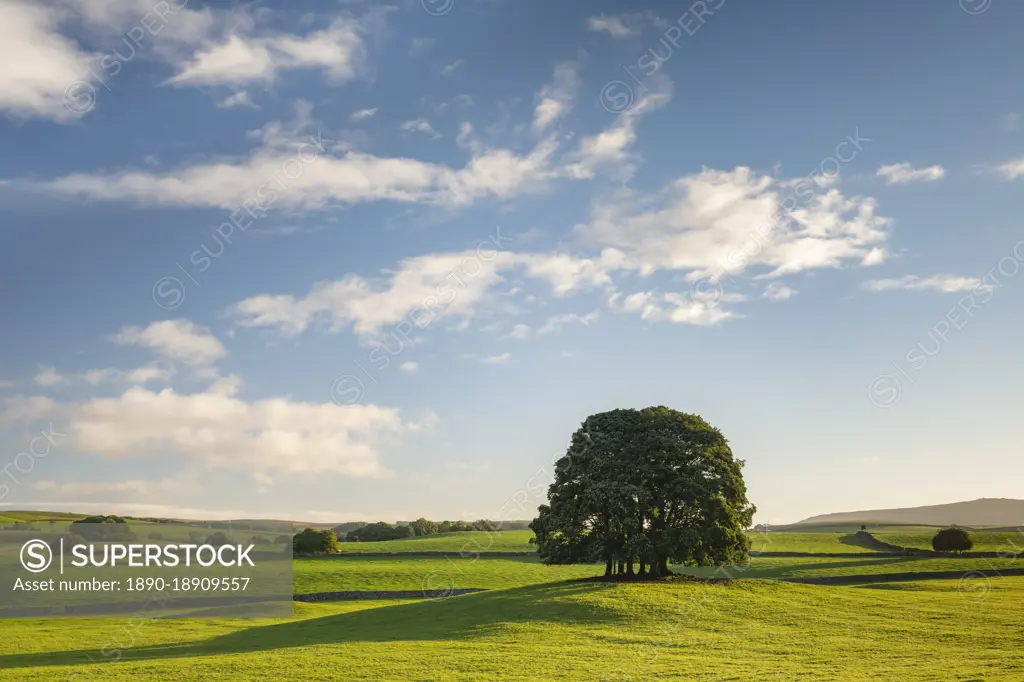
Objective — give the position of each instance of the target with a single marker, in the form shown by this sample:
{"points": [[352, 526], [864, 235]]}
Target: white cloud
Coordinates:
{"points": [[449, 69], [944, 283], [20, 408], [48, 377], [420, 291], [38, 64], [555, 99], [1011, 170], [556, 322], [900, 173], [177, 340], [287, 172], [221, 431], [714, 221], [238, 99], [674, 307], [139, 375], [421, 125], [611, 147], [520, 332], [410, 367], [363, 114], [502, 359], [338, 50], [617, 26], [778, 292], [135, 486]]}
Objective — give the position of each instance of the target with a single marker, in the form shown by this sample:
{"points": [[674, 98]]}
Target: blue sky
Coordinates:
{"points": [[343, 261]]}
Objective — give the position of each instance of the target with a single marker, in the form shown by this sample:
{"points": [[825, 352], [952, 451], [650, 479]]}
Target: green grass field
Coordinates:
{"points": [[815, 567], [532, 623], [455, 543], [819, 543], [984, 541], [742, 630], [418, 573]]}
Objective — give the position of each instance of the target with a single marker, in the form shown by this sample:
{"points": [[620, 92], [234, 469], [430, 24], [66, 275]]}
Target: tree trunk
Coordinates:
{"points": [[663, 566], [643, 569], [622, 567], [608, 568], [629, 567]]}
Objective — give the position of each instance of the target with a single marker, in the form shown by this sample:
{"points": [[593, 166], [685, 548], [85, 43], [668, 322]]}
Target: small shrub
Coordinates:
{"points": [[952, 540]]}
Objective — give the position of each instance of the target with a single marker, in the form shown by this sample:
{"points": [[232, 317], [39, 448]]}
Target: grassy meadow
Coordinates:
{"points": [[755, 629], [537, 622], [1010, 542]]}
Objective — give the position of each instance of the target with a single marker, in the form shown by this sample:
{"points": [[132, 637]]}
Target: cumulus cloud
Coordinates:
{"points": [[714, 222], [48, 377], [220, 431], [901, 173], [943, 283], [421, 290], [337, 50], [776, 291], [410, 367], [176, 340], [1012, 169], [618, 26], [37, 63]]}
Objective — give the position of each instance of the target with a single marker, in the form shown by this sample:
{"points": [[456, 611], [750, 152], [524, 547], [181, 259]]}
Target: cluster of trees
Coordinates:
{"points": [[378, 532], [314, 541], [952, 540], [383, 531], [422, 526], [645, 487], [103, 529]]}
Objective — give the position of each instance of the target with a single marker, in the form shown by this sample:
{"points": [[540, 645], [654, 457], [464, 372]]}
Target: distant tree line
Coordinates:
{"points": [[383, 531]]}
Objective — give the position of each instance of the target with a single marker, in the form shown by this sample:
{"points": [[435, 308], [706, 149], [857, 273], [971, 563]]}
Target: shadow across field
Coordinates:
{"points": [[856, 540], [463, 617]]}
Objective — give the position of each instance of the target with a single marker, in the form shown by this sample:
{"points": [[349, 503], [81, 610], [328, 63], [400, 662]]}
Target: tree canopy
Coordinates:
{"points": [[313, 541], [378, 532], [646, 486], [952, 540], [103, 528]]}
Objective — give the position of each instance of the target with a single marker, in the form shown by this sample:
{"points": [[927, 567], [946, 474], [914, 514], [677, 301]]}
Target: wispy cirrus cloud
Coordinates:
{"points": [[942, 283], [902, 173]]}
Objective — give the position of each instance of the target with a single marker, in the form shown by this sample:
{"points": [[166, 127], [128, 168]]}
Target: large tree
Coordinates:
{"points": [[645, 487]]}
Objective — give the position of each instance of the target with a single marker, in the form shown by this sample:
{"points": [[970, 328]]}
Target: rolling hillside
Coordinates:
{"points": [[983, 512]]}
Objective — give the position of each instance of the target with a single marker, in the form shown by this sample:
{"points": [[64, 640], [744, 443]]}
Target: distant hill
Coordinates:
{"points": [[983, 512]]}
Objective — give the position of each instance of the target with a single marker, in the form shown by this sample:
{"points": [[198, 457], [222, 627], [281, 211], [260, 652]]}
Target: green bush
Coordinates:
{"points": [[952, 540]]}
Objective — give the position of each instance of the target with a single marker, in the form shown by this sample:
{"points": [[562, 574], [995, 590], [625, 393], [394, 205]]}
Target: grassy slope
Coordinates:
{"points": [[748, 630], [418, 573], [822, 543], [519, 541], [809, 567], [469, 541], [1010, 542]]}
